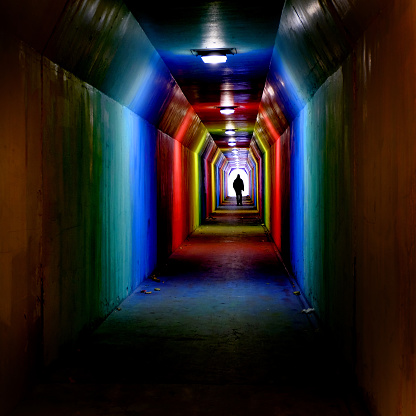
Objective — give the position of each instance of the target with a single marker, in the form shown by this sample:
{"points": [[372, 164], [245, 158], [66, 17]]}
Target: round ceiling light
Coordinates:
{"points": [[214, 58], [227, 110]]}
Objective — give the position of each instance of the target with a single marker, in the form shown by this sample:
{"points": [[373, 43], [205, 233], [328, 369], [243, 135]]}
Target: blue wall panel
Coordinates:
{"points": [[143, 197], [297, 197]]}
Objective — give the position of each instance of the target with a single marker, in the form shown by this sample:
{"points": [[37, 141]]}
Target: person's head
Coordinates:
{"points": [[238, 176]]}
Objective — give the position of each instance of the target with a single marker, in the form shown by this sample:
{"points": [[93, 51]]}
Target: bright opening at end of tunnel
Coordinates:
{"points": [[231, 177]]}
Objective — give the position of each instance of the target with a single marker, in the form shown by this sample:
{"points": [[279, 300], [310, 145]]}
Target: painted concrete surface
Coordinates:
{"points": [[78, 180], [224, 335], [321, 205], [352, 186], [385, 211], [95, 223], [20, 218]]}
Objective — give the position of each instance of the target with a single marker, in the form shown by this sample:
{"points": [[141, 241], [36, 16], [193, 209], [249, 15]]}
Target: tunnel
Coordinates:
{"points": [[116, 150]]}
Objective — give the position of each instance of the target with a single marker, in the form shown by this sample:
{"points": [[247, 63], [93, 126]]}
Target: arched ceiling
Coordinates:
{"points": [[177, 28], [285, 50]]}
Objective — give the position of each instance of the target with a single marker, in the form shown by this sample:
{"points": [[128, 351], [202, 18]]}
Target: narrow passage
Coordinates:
{"points": [[224, 335]]}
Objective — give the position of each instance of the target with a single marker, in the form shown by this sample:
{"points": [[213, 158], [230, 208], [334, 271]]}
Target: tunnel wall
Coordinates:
{"points": [[352, 169], [122, 195], [277, 190], [95, 132], [385, 166], [321, 205], [20, 220], [259, 172], [274, 170], [99, 211], [218, 183], [207, 179], [179, 191], [252, 168]]}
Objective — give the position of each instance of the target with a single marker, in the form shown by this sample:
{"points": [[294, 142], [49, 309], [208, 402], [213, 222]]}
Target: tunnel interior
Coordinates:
{"points": [[114, 149]]}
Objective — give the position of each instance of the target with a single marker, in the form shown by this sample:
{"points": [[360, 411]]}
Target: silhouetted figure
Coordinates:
{"points": [[238, 186]]}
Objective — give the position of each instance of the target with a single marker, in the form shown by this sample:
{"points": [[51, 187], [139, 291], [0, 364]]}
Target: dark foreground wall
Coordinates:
{"points": [[385, 165], [352, 188], [20, 219], [95, 134]]}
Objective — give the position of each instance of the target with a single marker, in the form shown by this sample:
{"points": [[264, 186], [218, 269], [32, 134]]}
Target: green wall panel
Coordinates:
{"points": [[99, 205]]}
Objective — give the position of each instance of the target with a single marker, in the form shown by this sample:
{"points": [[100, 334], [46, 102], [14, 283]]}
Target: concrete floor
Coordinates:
{"points": [[224, 336]]}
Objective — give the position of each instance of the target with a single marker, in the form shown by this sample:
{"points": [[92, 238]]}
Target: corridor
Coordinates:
{"points": [[225, 335], [123, 126]]}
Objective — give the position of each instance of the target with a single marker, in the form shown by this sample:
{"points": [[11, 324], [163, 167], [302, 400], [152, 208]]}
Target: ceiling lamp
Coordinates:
{"points": [[230, 132], [227, 109], [231, 143], [214, 56]]}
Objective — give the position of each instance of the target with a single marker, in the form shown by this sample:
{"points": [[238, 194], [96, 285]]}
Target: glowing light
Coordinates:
{"points": [[184, 126], [227, 110], [227, 97], [213, 26], [214, 59], [178, 200], [230, 132], [314, 8], [232, 175], [230, 143]]}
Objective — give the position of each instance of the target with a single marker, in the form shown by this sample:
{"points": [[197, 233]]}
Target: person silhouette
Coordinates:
{"points": [[238, 186]]}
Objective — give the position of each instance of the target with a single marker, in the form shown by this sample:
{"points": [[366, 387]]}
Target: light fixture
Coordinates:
{"points": [[230, 143], [230, 132], [214, 56], [229, 109]]}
